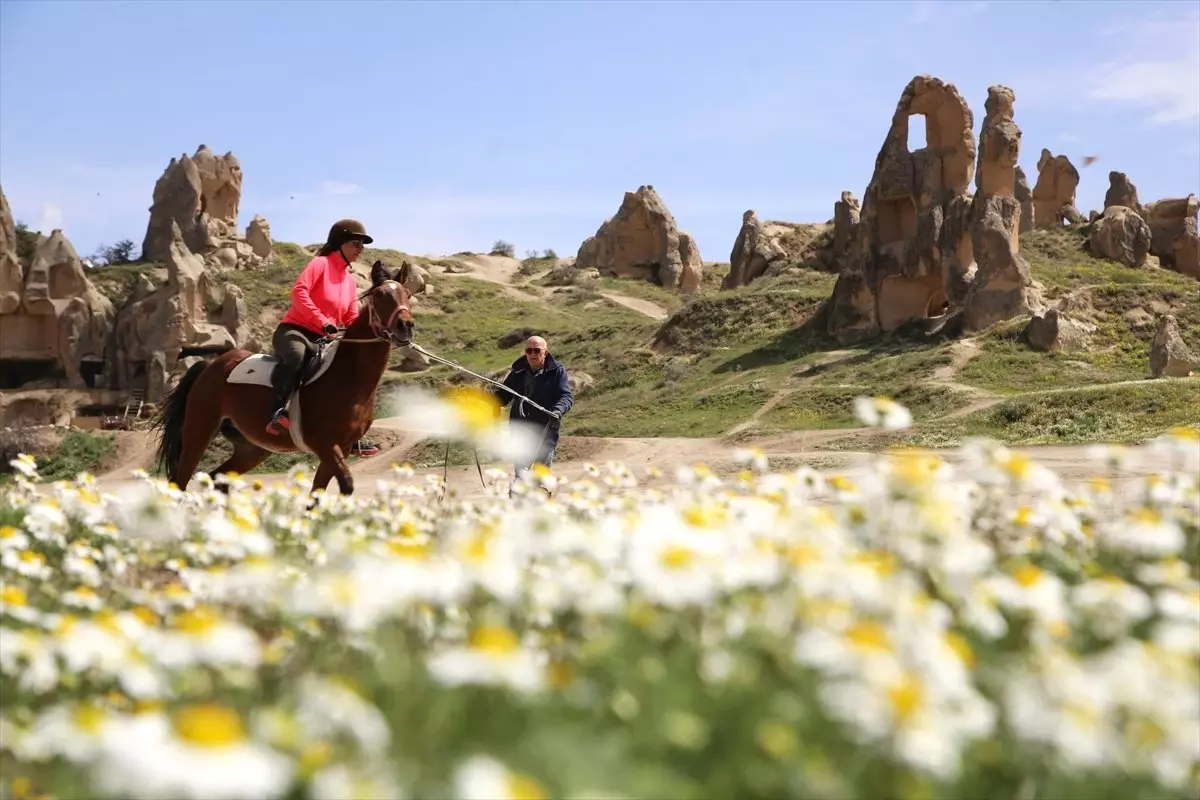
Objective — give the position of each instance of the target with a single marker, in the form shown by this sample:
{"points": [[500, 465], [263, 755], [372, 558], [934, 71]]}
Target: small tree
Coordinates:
{"points": [[503, 248], [549, 253], [26, 244], [110, 255]]}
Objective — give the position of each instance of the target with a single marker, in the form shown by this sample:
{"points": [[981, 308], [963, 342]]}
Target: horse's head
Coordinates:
{"points": [[388, 304]]}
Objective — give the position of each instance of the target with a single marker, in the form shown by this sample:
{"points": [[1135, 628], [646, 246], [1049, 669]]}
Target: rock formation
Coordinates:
{"points": [[753, 252], [1169, 355], [1054, 193], [51, 314], [1024, 196], [1121, 192], [200, 194], [1001, 288], [1053, 331], [1173, 234], [258, 236], [1120, 235], [912, 247], [846, 215], [12, 277], [642, 241], [192, 314]]}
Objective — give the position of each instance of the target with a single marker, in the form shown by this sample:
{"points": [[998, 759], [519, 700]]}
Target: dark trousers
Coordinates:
{"points": [[291, 344]]}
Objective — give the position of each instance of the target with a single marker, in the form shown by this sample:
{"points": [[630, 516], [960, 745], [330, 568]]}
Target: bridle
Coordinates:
{"points": [[384, 331]]}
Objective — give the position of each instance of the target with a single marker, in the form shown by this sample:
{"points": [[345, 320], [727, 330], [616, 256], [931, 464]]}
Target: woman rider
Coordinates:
{"points": [[324, 299]]}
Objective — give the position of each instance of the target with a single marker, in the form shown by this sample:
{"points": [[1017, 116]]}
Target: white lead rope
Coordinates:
{"points": [[461, 368]]}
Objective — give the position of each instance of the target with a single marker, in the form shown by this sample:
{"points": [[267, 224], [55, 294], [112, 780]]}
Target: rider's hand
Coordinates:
{"points": [[330, 329]]}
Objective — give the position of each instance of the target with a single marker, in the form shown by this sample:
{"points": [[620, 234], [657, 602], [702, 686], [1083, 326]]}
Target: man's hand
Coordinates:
{"points": [[330, 329], [555, 419]]}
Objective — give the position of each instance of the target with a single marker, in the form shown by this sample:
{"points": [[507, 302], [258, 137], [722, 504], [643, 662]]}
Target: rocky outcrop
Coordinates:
{"points": [[1120, 235], [1169, 355], [258, 236], [1054, 193], [642, 241], [12, 277], [193, 314], [1121, 192], [1001, 288], [52, 313], [846, 215], [1024, 196], [1054, 331], [200, 194], [912, 247], [753, 253], [1173, 234]]}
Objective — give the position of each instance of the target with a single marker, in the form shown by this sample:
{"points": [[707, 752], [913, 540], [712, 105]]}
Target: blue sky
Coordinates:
{"points": [[444, 126]]}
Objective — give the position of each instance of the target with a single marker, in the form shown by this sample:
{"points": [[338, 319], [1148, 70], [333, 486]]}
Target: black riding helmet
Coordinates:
{"points": [[345, 230]]}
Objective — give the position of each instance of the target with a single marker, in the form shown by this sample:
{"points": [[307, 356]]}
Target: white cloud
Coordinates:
{"points": [[1168, 88]]}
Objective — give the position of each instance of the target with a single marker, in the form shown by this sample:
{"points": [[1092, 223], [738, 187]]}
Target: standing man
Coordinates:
{"points": [[540, 377]]}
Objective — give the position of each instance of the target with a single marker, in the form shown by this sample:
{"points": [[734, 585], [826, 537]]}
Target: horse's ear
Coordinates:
{"points": [[403, 274], [378, 273]]}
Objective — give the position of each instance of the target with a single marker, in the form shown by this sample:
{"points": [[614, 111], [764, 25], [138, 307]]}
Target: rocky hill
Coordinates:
{"points": [[1002, 310]]}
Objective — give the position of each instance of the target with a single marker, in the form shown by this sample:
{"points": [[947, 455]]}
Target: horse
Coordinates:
{"points": [[331, 405]]}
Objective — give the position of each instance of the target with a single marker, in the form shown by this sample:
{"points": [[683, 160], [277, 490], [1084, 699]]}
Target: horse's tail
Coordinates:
{"points": [[169, 422]]}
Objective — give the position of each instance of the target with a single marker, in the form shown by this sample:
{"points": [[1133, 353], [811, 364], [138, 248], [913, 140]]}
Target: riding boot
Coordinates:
{"points": [[282, 388]]}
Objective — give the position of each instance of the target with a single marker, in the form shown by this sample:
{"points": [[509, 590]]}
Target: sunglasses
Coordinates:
{"points": [[533, 350]]}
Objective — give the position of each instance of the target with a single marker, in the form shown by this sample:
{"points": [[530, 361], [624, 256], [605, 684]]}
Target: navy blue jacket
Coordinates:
{"points": [[550, 390]]}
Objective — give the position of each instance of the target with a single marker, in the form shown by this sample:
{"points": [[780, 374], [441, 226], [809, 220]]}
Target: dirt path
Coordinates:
{"points": [[650, 309]]}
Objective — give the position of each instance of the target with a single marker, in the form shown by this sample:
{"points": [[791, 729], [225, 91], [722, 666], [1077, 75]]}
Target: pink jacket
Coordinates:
{"points": [[325, 293]]}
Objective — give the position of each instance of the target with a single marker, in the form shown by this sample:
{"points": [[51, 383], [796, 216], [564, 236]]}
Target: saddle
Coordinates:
{"points": [[258, 369]]}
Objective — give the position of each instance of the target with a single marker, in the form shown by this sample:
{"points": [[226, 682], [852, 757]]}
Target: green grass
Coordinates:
{"points": [[823, 408], [1124, 415], [79, 451]]}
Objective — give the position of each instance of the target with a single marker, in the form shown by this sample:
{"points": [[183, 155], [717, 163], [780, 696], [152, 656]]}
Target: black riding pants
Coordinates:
{"points": [[291, 344]]}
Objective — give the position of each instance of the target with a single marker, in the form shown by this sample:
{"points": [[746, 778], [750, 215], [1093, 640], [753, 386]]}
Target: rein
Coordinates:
{"points": [[384, 337]]}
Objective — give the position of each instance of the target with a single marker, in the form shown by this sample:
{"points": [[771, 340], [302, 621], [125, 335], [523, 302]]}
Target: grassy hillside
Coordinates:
{"points": [[756, 362], [709, 370]]}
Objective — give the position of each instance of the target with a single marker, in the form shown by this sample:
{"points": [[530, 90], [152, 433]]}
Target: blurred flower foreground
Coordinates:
{"points": [[919, 629]]}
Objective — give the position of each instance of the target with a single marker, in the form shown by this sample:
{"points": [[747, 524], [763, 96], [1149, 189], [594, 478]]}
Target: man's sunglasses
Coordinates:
{"points": [[533, 350]]}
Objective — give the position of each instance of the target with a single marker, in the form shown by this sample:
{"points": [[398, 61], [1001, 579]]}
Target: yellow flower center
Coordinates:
{"points": [[8, 532], [869, 635], [30, 557], [800, 555], [522, 787], [13, 596], [1146, 516], [89, 718], [1027, 575], [494, 639], [476, 409], [1018, 466], [841, 483], [709, 515], [209, 726], [198, 621], [1022, 517], [906, 698], [676, 557], [961, 648], [409, 548]]}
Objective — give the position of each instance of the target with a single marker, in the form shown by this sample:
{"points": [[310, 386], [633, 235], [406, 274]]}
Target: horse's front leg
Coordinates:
{"points": [[333, 465]]}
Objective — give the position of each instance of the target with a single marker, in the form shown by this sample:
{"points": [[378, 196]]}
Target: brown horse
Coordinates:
{"points": [[330, 412]]}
